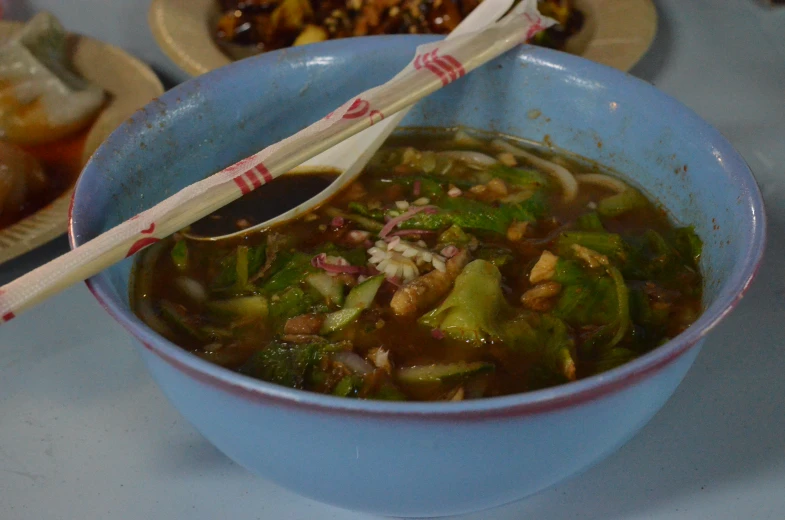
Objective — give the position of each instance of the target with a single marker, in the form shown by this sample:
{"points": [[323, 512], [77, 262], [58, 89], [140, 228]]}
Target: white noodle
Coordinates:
{"points": [[191, 288], [473, 159], [600, 179], [566, 179]]}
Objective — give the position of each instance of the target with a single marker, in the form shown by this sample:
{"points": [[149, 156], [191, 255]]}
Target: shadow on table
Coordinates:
{"points": [[649, 67], [20, 265], [724, 424]]}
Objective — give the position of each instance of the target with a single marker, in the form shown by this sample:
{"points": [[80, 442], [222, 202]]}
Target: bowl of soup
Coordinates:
{"points": [[515, 285]]}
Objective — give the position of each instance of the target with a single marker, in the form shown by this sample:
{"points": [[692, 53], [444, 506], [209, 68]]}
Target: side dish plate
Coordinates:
{"points": [[130, 84], [615, 33]]}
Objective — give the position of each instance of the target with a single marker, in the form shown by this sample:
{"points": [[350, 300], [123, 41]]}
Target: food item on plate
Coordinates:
{"points": [[41, 99], [248, 27], [457, 266], [22, 179], [46, 110]]}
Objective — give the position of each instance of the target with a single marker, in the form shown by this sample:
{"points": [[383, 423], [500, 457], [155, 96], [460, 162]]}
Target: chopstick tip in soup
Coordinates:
{"points": [[457, 266]]}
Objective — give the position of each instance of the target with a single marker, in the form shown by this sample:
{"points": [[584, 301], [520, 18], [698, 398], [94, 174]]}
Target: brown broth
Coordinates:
{"points": [[660, 305]]}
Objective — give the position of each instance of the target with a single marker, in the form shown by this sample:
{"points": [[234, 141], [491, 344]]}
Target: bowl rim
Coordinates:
{"points": [[515, 405]]}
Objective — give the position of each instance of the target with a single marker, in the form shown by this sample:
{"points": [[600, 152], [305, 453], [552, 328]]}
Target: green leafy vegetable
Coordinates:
{"points": [[590, 222], [609, 244], [284, 364], [544, 339], [362, 209], [180, 255], [469, 313], [688, 244], [497, 255], [522, 177], [366, 223], [290, 303], [349, 386], [454, 236], [289, 270], [430, 186]]}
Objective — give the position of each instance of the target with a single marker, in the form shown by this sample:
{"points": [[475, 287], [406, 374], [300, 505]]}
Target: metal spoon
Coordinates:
{"points": [[352, 155]]}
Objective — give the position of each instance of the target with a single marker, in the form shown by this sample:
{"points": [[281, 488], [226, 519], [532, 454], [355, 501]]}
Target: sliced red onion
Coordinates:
{"points": [[337, 222], [409, 213], [409, 232], [352, 360], [320, 262], [437, 334], [394, 280], [416, 190]]}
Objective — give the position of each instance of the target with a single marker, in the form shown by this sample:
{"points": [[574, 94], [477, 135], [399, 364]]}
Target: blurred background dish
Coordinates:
{"points": [[202, 35], [73, 92]]}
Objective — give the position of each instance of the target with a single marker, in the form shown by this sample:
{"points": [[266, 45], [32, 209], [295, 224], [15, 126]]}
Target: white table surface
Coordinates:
{"points": [[85, 433]]}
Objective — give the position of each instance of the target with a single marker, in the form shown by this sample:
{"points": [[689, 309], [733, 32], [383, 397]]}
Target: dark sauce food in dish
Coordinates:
{"points": [[457, 266], [248, 27]]}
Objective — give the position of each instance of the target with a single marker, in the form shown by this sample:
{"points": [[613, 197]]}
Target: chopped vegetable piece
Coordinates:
{"points": [[442, 373], [621, 203], [337, 320], [589, 222], [364, 222], [518, 176], [362, 295], [292, 269], [180, 255], [247, 306], [605, 243], [470, 311], [328, 286]]}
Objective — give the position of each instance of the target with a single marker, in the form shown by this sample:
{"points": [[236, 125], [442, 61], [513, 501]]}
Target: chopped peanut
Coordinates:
{"points": [[497, 187], [544, 269], [538, 298], [517, 231], [591, 257], [507, 159]]}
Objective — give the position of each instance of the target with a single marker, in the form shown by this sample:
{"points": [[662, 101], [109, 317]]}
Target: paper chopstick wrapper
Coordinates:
{"points": [[434, 66]]}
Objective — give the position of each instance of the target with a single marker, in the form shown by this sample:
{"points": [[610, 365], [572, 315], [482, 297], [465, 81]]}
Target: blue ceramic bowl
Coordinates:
{"points": [[426, 459]]}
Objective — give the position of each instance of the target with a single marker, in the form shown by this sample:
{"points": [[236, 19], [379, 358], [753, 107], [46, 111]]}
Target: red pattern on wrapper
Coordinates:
{"points": [[143, 242], [244, 187], [446, 67], [376, 113], [357, 109]]}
